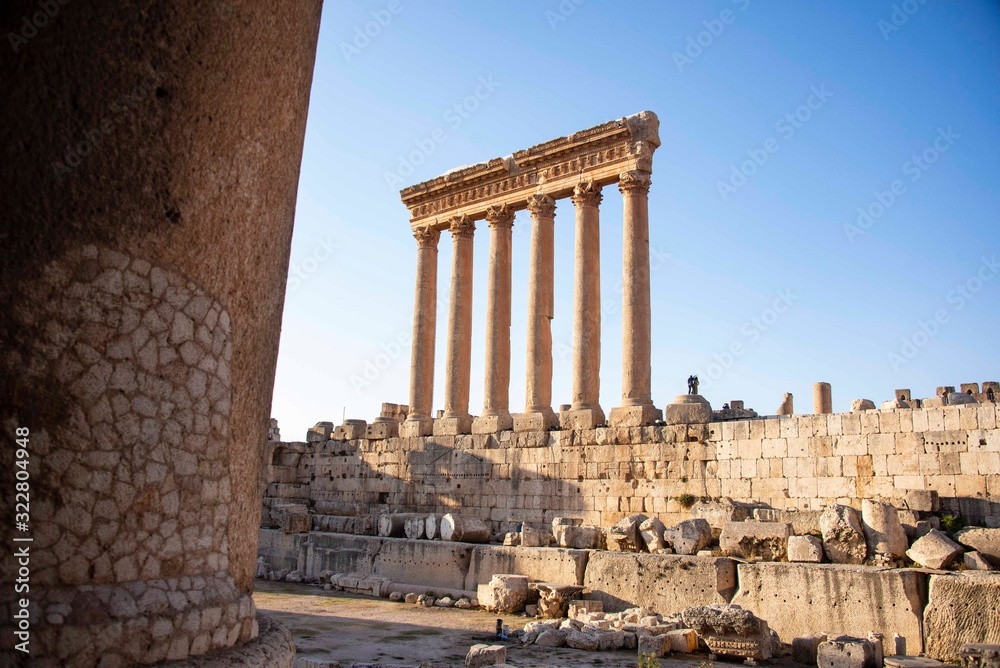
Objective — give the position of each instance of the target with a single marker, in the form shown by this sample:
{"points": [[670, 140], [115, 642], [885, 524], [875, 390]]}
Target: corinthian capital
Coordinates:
{"points": [[542, 205], [500, 215], [427, 237], [634, 182], [587, 194], [461, 227]]}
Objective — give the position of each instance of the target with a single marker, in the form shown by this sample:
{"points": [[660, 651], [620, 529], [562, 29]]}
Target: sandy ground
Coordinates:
{"points": [[349, 628]]}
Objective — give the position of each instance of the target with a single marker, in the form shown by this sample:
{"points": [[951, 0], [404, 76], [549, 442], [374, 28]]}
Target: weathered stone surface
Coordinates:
{"points": [[578, 608], [766, 541], [551, 638], [651, 531], [579, 537], [982, 540], [980, 655], [660, 581], [485, 655], [650, 645], [935, 550], [846, 652], [807, 549], [803, 521], [797, 599], [688, 537], [624, 535], [956, 613], [580, 640], [719, 511], [883, 532], [688, 409], [862, 405], [843, 537], [683, 641], [463, 529], [730, 630], [912, 662], [543, 563], [974, 561], [505, 593], [805, 649]]}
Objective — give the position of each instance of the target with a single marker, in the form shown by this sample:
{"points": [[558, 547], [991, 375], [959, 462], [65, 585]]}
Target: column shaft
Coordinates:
{"points": [[456, 418], [419, 419]]}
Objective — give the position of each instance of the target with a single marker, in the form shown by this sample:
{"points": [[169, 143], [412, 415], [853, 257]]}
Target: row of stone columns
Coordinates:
{"points": [[585, 411]]}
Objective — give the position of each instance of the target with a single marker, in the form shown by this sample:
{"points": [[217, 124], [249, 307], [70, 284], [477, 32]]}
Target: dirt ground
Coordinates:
{"points": [[349, 628]]}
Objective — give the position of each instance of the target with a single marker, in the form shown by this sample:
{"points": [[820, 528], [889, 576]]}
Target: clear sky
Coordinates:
{"points": [[824, 204]]}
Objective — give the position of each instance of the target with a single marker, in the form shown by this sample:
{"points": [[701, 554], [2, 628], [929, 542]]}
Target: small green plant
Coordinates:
{"points": [[951, 523], [686, 500], [648, 661]]}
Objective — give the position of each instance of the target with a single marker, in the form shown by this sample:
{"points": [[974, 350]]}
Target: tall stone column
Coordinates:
{"points": [[419, 421], [586, 412], [496, 408], [538, 414], [456, 419], [637, 405], [822, 398]]}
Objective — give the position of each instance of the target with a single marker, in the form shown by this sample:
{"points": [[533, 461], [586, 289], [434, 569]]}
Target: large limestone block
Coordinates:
{"points": [[803, 521], [843, 537], [980, 655], [808, 549], [730, 631], [688, 409], [689, 536], [485, 655], [883, 532], [651, 532], [798, 599], [806, 649], [719, 511], [624, 536], [846, 652], [959, 611], [505, 593], [765, 541], [543, 564], [935, 550], [862, 405], [664, 582], [579, 537], [984, 541]]}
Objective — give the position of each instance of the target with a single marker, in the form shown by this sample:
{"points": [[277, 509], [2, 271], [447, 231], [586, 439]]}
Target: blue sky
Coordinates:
{"points": [[781, 124]]}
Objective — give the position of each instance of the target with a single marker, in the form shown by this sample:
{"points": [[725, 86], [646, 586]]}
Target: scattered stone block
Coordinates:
{"points": [[624, 535], [651, 532], [689, 536], [684, 641], [411, 598], [761, 541], [554, 599], [895, 661], [884, 534], [974, 561], [292, 517], [610, 640], [729, 630], [980, 655], [843, 537], [505, 593], [396, 596], [511, 539], [485, 655], [652, 645], [923, 500], [806, 549], [803, 521], [530, 537], [465, 603], [445, 602], [805, 649], [319, 432], [576, 609], [688, 409], [846, 652], [718, 512], [862, 405], [578, 537], [935, 550], [580, 640], [894, 404], [551, 638], [985, 541]]}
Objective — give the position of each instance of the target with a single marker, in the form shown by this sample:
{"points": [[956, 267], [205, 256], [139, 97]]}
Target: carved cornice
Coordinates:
{"points": [[600, 154], [461, 227], [634, 182], [427, 237], [500, 215], [587, 193], [541, 206]]}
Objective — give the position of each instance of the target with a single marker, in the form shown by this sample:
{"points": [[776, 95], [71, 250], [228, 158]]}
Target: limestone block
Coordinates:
{"points": [[610, 640], [688, 409], [894, 404], [579, 537], [292, 517], [351, 430], [540, 563], [974, 561], [580, 640], [961, 398], [319, 432], [566, 521], [651, 531], [578, 608], [551, 638], [980, 655], [922, 500], [883, 532], [957, 613], [530, 537], [463, 529], [935, 550], [659, 581], [649, 645], [624, 536], [846, 652], [797, 599], [862, 405], [505, 593], [719, 511], [415, 527], [729, 630], [683, 641], [382, 429], [766, 541], [689, 536], [807, 549], [983, 540], [803, 521], [843, 537], [805, 650], [485, 655]]}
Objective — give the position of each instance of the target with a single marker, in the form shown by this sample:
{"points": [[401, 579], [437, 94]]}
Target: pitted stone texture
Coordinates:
{"points": [[843, 536], [885, 536], [731, 631], [957, 613], [689, 536], [624, 536], [766, 541], [807, 549]]}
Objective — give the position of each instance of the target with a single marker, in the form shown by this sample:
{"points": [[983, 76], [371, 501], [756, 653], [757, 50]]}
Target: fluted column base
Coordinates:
{"points": [[540, 420], [492, 424], [453, 425], [582, 418], [634, 416], [413, 427]]}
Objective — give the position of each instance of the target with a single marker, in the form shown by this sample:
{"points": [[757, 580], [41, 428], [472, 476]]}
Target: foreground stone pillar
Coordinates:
{"points": [[822, 398], [456, 419], [496, 408], [586, 412], [419, 421], [637, 404], [155, 155], [538, 414]]}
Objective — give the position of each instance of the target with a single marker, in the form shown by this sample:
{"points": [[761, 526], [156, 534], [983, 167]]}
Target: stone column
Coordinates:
{"points": [[538, 414], [586, 412], [458, 368], [496, 408], [822, 398], [419, 421], [637, 405]]}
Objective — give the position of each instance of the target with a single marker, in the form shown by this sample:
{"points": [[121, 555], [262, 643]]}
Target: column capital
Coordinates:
{"points": [[541, 205], [587, 193], [461, 227], [500, 215], [427, 237], [634, 182]]}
